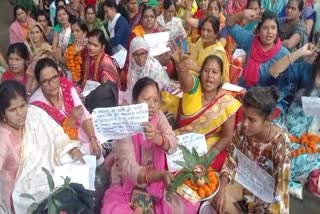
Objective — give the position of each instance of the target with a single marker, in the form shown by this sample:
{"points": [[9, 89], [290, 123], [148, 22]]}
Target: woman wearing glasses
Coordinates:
{"points": [[58, 97]]}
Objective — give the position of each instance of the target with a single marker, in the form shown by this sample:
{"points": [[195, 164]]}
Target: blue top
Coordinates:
{"points": [[121, 33], [297, 76], [244, 39]]}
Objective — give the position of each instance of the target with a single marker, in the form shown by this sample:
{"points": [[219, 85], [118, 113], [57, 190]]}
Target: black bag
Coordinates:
{"points": [[78, 201], [105, 95]]}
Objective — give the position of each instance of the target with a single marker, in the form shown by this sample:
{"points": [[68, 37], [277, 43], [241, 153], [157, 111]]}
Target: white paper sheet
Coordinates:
{"points": [[78, 172], [121, 57], [157, 42], [311, 105], [119, 122], [190, 140], [232, 87], [90, 86], [254, 178]]}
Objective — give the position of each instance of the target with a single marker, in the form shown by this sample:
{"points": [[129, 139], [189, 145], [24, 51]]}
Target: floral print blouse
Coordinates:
{"points": [[274, 157]]}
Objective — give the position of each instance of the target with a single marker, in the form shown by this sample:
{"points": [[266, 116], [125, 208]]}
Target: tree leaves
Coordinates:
{"points": [[187, 156], [28, 196], [49, 178]]}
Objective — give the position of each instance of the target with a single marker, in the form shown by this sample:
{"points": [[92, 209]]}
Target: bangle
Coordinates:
{"points": [[146, 176], [289, 59]]}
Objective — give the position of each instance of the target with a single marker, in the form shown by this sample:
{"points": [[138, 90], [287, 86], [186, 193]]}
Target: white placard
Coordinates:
{"points": [[121, 57], [252, 177], [78, 172], [232, 87], [311, 105], [157, 42], [90, 86], [119, 122], [190, 140]]}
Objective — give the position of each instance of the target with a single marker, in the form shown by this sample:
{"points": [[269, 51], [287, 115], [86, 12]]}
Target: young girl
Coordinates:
{"points": [[264, 143], [141, 162]]}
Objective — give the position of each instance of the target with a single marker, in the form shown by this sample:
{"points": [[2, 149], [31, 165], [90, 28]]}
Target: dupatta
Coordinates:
{"points": [[156, 189], [55, 113]]}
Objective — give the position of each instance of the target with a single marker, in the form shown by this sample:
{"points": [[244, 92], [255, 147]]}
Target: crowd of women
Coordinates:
{"points": [[57, 46]]}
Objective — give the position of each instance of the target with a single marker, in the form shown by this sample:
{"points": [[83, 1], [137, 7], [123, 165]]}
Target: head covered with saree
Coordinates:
{"points": [[42, 50], [142, 64]]}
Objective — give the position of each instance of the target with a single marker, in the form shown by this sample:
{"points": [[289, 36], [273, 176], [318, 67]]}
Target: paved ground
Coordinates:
{"points": [[310, 204]]}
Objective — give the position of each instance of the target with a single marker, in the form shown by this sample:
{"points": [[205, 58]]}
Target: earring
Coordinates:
{"points": [[4, 120]]}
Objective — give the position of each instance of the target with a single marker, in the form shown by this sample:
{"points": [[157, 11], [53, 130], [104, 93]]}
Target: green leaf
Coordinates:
{"points": [[57, 203], [178, 181], [206, 178], [52, 209], [211, 157], [32, 208], [67, 181], [195, 155], [28, 196], [184, 165], [187, 156], [49, 178]]}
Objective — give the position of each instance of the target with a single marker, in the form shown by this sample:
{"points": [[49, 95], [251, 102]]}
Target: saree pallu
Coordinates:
{"points": [[208, 121]]}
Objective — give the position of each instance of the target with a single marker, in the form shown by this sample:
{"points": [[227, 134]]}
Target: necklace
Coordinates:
{"points": [[210, 98], [59, 104]]}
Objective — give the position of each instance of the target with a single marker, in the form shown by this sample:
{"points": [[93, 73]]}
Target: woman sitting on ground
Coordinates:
{"points": [[264, 143], [19, 69], [205, 107], [58, 97], [141, 161], [142, 64], [19, 29], [30, 140]]}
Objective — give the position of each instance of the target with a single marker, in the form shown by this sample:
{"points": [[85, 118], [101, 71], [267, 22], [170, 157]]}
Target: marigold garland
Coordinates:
{"points": [[70, 131], [308, 144], [74, 62]]}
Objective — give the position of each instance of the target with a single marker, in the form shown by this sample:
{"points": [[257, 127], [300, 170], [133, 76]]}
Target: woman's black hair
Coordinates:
{"points": [[120, 8], [140, 85], [249, 2], [217, 60], [82, 25], [43, 63], [17, 7], [168, 3], [20, 49], [215, 23], [90, 7], [268, 15], [147, 7], [263, 99], [10, 89], [300, 4], [70, 19], [57, 2], [102, 40], [45, 14]]}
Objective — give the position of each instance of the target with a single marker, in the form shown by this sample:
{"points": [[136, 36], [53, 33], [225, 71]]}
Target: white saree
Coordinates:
{"points": [[44, 145]]}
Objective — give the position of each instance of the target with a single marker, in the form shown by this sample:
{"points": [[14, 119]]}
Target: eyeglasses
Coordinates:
{"points": [[53, 79], [140, 55]]}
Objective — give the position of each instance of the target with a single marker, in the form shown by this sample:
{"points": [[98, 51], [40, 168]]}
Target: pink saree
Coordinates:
{"points": [[17, 33], [117, 197]]}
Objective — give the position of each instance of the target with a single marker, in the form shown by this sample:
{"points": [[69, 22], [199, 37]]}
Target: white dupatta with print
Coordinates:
{"points": [[44, 145]]}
